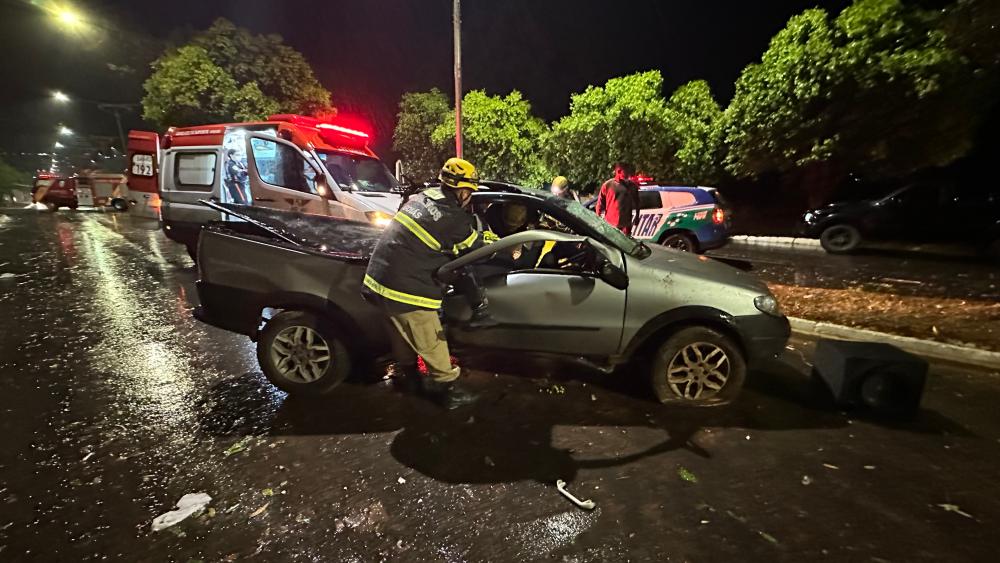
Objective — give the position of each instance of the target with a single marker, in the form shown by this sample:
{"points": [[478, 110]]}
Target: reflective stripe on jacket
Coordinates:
{"points": [[430, 230]]}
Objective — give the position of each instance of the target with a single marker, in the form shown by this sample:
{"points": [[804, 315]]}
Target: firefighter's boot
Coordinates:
{"points": [[481, 317], [408, 379], [448, 395]]}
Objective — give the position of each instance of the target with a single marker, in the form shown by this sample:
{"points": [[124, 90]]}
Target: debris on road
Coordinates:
{"points": [[260, 510], [401, 481], [238, 446], [585, 504], [830, 466], [6, 276], [686, 474], [956, 509], [806, 480], [189, 504], [269, 492]]}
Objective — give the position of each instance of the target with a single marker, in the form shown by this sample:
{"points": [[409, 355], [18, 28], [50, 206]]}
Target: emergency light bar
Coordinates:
{"points": [[345, 130]]}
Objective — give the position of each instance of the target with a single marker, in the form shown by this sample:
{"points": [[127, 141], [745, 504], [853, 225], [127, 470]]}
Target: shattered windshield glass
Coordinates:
{"points": [[618, 239]]}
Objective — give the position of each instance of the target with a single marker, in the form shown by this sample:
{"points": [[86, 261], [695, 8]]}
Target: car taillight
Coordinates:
{"points": [[718, 216]]}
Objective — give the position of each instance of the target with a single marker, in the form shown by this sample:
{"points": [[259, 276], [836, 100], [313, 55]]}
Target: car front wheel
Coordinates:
{"points": [[840, 239], [698, 366], [301, 353]]}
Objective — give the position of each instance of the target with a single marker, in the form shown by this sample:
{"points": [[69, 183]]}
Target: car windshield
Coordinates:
{"points": [[610, 234], [359, 173]]}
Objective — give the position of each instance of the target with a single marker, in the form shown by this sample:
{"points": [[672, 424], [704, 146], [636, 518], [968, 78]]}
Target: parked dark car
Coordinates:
{"points": [[915, 213], [692, 325]]}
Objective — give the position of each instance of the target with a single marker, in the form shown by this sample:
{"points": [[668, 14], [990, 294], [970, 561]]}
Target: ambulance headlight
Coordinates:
{"points": [[380, 219]]}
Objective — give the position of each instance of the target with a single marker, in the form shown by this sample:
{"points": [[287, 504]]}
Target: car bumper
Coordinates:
{"points": [[764, 337]]}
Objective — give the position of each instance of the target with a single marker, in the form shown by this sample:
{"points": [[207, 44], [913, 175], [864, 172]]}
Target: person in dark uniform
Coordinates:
{"points": [[236, 175], [430, 230]]}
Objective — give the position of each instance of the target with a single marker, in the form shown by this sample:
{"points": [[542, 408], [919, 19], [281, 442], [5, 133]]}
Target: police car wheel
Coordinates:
{"points": [[697, 366], [302, 354], [840, 239], [680, 241], [119, 204]]}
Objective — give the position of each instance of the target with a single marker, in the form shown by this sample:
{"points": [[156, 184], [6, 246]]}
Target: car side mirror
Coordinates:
{"points": [[611, 274]]}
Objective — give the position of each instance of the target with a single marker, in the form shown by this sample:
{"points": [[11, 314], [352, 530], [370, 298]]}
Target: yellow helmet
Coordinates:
{"points": [[459, 173], [560, 182]]}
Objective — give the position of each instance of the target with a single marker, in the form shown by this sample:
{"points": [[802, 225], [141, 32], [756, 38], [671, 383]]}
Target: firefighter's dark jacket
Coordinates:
{"points": [[429, 231]]}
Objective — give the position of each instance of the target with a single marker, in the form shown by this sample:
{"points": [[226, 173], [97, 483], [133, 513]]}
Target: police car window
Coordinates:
{"points": [[650, 200], [195, 170], [281, 165], [680, 199]]}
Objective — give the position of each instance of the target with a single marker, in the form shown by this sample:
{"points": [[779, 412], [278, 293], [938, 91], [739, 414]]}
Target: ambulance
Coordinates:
{"points": [[290, 162]]}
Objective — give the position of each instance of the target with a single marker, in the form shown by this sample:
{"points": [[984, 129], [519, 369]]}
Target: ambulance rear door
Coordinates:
{"points": [[143, 173], [282, 176]]}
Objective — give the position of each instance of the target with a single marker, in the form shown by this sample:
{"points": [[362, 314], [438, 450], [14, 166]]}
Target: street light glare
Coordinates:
{"points": [[68, 17], [60, 97], [63, 130], [58, 145]]}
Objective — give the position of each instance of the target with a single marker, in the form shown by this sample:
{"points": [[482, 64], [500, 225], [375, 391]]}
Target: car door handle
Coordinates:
{"points": [[267, 199]]}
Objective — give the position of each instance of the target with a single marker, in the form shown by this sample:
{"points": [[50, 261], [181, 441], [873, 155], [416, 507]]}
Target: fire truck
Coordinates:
{"points": [[291, 162], [88, 188]]}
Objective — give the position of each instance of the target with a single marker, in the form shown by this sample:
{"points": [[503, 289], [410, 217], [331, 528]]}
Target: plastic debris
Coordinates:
{"points": [[585, 504], [956, 509], [189, 504], [869, 467], [401, 481], [685, 474], [260, 510], [88, 456], [830, 466], [768, 537], [238, 446]]}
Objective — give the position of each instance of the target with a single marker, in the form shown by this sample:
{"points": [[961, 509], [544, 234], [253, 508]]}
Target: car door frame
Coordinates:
{"points": [[265, 194]]}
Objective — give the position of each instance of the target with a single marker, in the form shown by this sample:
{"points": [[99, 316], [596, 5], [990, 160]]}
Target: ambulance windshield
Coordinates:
{"points": [[359, 173]]}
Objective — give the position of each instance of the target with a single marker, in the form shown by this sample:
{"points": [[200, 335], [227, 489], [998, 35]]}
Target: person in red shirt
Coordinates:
{"points": [[618, 200]]}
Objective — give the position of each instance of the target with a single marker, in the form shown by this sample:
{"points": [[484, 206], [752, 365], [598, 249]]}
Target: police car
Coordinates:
{"points": [[692, 219]]}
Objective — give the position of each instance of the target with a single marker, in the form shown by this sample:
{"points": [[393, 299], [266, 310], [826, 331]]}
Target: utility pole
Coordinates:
{"points": [[116, 109], [457, 22]]}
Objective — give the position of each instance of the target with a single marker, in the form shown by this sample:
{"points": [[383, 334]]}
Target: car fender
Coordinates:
{"points": [[680, 317]]}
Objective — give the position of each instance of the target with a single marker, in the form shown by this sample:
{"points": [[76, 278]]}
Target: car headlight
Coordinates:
{"points": [[768, 304], [380, 219], [809, 216]]}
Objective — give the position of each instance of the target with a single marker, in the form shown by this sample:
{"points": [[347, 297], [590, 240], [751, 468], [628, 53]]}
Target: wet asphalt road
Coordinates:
{"points": [[887, 270], [115, 403]]}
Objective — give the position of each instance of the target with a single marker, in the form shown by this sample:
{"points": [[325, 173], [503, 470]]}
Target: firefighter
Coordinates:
{"points": [[431, 229], [618, 200], [560, 188]]}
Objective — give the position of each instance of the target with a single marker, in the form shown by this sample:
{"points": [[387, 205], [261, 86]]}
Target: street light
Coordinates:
{"points": [[65, 131], [60, 97], [67, 17]]}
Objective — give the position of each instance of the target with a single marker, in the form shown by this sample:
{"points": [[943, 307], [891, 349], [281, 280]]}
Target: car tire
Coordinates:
{"points": [[680, 241], [119, 204], [698, 366], [840, 239], [290, 351]]}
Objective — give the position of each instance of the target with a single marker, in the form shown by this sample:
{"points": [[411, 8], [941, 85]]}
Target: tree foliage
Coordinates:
{"points": [[626, 119], [11, 177], [228, 74], [694, 117], [499, 135], [420, 113], [868, 91]]}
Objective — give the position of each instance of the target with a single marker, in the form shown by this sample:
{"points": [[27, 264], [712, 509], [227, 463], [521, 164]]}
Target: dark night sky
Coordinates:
{"points": [[368, 52]]}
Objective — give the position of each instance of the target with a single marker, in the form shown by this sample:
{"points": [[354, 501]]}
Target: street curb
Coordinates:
{"points": [[785, 242], [930, 349]]}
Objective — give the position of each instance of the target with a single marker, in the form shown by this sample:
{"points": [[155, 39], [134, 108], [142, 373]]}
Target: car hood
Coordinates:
{"points": [[842, 207], [700, 267]]}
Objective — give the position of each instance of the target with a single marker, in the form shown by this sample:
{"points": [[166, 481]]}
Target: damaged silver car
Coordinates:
{"points": [[688, 324]]}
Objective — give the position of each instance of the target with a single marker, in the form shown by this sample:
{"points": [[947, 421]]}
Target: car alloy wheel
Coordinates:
{"points": [[300, 354], [698, 371], [679, 242]]}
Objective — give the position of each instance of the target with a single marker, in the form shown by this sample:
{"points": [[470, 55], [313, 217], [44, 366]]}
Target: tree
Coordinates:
{"points": [[187, 88], [627, 119], [873, 91], [694, 116], [10, 178], [420, 113], [228, 74], [500, 136], [281, 73]]}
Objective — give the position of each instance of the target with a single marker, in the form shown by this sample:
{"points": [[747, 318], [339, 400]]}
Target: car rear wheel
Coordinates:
{"points": [[302, 354], [840, 239], [680, 241], [698, 366]]}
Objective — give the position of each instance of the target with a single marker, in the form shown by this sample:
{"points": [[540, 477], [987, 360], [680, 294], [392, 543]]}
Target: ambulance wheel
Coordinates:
{"points": [[303, 354], [698, 366], [680, 241]]}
